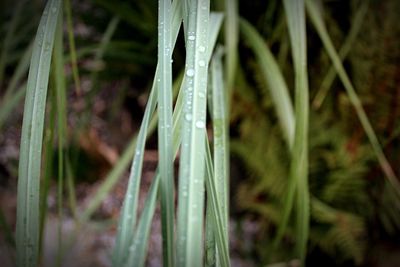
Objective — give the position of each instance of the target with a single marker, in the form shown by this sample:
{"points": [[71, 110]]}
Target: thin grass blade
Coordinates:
{"points": [[72, 49], [139, 243], [231, 43], [129, 209], [319, 25], [217, 214], [13, 94], [48, 165], [295, 15], [112, 178], [220, 140], [344, 50]]}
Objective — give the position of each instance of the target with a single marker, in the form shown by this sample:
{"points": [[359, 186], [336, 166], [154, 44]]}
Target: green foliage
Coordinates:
{"points": [[312, 180]]}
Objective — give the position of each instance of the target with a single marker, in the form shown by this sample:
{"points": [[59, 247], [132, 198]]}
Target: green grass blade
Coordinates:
{"points": [[72, 49], [319, 25], [104, 43], [164, 84], [9, 38], [9, 103], [231, 43], [210, 245], [274, 79], [295, 15], [27, 230], [220, 140], [13, 95], [111, 179], [344, 50], [19, 72], [191, 172], [213, 31], [217, 214], [48, 166], [60, 87], [71, 187], [129, 208], [139, 243]]}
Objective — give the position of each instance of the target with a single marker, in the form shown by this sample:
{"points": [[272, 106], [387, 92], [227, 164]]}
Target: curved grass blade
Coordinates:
{"points": [[139, 243], [345, 49], [27, 232], [319, 25], [129, 152], [164, 84], [129, 208], [295, 15], [274, 79], [191, 167]]}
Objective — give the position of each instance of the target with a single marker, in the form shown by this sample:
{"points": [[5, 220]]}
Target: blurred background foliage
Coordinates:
{"points": [[355, 219]]}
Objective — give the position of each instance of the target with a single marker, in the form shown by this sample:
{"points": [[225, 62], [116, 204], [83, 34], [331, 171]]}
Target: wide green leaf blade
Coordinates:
{"points": [[27, 230], [273, 77], [164, 84], [191, 167]]}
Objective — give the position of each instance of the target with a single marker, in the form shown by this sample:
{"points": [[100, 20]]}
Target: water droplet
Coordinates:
{"points": [[202, 63], [201, 95], [190, 88], [172, 60], [202, 49], [191, 37], [200, 124], [190, 72], [188, 117]]}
